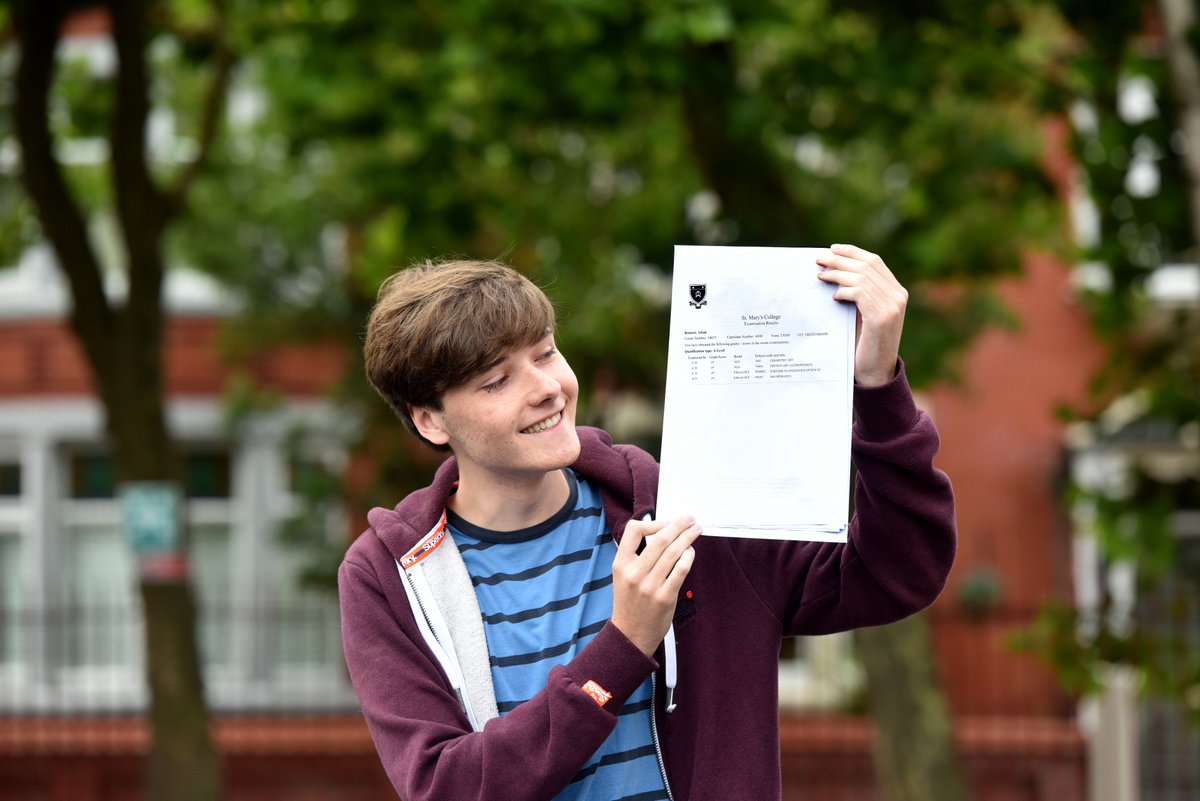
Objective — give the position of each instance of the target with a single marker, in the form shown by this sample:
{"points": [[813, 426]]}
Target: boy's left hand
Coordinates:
{"points": [[864, 280]]}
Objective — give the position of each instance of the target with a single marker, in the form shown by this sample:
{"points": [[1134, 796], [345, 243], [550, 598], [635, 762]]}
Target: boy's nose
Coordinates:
{"points": [[544, 386]]}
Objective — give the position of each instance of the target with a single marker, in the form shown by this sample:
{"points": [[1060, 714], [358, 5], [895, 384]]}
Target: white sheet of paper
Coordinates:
{"points": [[760, 382]]}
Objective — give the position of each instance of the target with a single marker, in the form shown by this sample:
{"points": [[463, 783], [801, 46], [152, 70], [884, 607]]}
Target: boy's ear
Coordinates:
{"points": [[429, 424]]}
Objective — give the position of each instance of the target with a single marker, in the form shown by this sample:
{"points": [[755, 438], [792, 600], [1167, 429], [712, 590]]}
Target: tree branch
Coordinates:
{"points": [[142, 208], [62, 221], [136, 192], [214, 103], [1179, 19], [735, 163]]}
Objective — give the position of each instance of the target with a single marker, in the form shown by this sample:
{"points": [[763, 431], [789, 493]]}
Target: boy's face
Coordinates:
{"points": [[515, 420]]}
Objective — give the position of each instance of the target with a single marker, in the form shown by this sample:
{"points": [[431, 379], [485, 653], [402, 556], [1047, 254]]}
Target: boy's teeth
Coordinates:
{"points": [[542, 426]]}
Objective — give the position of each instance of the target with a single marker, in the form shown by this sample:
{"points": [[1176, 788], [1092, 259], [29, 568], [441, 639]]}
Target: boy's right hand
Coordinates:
{"points": [[646, 585]]}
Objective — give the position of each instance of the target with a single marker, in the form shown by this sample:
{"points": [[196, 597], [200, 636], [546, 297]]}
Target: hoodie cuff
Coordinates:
{"points": [[613, 665], [885, 412]]}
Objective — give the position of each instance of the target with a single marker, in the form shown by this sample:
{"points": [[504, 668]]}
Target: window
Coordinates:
{"points": [[93, 475], [12, 584], [211, 554], [1169, 743], [101, 597], [96, 594], [819, 673], [306, 637], [10, 480], [10, 597], [71, 633], [206, 474]]}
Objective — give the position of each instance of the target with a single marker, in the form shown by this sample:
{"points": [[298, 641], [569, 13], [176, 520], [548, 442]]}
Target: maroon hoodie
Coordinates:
{"points": [[742, 595]]}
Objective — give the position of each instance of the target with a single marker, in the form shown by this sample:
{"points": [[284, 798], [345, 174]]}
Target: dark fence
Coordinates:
{"points": [[285, 718], [72, 696], [89, 658]]}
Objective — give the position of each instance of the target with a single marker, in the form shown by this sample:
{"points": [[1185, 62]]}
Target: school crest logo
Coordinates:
{"points": [[698, 293]]}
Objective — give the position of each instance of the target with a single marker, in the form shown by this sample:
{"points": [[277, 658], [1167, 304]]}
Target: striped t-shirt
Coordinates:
{"points": [[544, 592]]}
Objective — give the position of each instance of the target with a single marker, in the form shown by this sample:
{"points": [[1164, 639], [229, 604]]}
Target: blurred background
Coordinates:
{"points": [[200, 198]]}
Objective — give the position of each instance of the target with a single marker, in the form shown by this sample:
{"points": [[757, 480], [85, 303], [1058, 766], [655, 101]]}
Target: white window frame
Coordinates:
{"points": [[13, 524], [45, 433], [823, 677]]}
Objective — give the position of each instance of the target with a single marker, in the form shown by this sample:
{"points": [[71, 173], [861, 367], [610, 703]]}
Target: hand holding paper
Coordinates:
{"points": [[866, 281], [646, 582]]}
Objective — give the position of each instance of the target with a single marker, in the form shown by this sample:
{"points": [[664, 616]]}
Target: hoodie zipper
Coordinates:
{"points": [[421, 606], [662, 765], [460, 693]]}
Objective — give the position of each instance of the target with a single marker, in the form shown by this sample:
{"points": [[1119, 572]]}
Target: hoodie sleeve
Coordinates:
{"points": [[422, 735], [901, 540]]}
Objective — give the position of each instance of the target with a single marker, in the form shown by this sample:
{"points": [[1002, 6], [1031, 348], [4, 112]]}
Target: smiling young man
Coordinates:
{"points": [[514, 631]]}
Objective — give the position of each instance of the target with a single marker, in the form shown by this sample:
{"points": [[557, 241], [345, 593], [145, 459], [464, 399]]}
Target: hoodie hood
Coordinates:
{"points": [[627, 477]]}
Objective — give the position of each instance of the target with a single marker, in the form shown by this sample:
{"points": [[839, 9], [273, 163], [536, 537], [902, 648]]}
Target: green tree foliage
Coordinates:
{"points": [[1116, 78], [583, 140]]}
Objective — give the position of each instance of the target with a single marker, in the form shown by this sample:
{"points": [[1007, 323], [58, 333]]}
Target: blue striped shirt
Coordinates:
{"points": [[544, 592]]}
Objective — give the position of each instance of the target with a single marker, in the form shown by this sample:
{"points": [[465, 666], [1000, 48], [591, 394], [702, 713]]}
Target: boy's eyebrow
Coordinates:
{"points": [[499, 360]]}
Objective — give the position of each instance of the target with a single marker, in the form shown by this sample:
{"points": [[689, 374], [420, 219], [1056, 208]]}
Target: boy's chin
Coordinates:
{"points": [[571, 450]]}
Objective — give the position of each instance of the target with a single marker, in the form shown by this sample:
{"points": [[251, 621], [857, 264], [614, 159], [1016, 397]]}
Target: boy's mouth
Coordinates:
{"points": [[549, 422]]}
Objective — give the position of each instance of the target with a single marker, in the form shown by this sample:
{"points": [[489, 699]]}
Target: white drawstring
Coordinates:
{"points": [[670, 666], [670, 661]]}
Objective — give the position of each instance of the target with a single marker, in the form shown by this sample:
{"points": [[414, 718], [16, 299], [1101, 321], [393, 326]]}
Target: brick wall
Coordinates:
{"points": [[331, 759], [43, 358], [319, 758], [1003, 759], [1003, 448]]}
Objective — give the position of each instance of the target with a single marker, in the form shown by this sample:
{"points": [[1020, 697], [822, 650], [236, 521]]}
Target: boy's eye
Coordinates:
{"points": [[491, 386]]}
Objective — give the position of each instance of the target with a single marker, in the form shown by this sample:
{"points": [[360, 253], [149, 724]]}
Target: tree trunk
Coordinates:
{"points": [[1179, 31], [915, 757], [731, 153], [183, 763], [123, 348]]}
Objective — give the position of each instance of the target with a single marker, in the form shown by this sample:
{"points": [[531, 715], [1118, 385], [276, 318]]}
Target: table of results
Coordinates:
{"points": [[759, 357]]}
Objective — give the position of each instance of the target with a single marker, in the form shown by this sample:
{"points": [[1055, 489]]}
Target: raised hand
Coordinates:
{"points": [[864, 280]]}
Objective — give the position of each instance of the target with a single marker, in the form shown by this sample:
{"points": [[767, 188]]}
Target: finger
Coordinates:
{"points": [[672, 530], [872, 260], [852, 272], [841, 277], [636, 531], [850, 257], [679, 572], [858, 295], [828, 264], [847, 271], [875, 286], [851, 288], [658, 542], [665, 562]]}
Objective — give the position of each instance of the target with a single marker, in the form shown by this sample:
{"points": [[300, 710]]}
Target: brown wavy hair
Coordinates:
{"points": [[436, 325]]}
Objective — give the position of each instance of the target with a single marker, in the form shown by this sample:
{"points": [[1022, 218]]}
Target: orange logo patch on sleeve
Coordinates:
{"points": [[598, 693]]}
